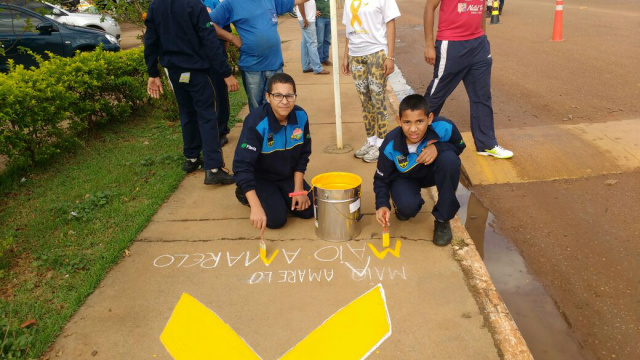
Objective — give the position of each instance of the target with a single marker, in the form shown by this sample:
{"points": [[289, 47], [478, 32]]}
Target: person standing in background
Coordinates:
{"points": [[181, 35], [368, 57], [323, 30], [461, 52], [309, 46], [256, 21], [222, 95]]}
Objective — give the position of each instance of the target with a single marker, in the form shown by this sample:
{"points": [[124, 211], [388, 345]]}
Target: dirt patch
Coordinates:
{"points": [[580, 238]]}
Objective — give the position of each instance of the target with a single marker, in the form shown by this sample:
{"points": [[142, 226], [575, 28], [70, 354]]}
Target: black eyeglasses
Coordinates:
{"points": [[279, 97]]}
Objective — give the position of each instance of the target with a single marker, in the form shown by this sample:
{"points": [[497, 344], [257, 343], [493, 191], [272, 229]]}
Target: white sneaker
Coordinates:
{"points": [[364, 150], [498, 152], [372, 155]]}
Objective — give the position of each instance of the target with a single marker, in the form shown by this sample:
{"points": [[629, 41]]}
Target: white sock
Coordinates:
{"points": [[192, 160], [379, 142], [372, 140]]}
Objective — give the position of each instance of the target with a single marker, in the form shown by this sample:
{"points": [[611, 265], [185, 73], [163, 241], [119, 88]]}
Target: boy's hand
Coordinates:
{"points": [[428, 155], [382, 215], [300, 202], [258, 218]]}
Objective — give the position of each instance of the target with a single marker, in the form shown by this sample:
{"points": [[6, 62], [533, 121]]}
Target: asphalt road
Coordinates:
{"points": [[577, 230]]}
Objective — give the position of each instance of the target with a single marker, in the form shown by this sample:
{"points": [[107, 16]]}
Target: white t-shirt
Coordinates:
{"points": [[309, 11], [366, 22], [413, 148]]}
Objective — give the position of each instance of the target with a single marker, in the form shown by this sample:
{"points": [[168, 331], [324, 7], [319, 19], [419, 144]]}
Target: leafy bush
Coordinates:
{"points": [[47, 109]]}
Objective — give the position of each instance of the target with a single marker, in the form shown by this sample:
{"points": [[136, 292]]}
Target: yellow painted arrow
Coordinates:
{"points": [[194, 332], [353, 332]]}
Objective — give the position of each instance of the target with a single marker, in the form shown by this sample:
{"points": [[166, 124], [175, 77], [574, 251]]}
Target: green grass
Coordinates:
{"points": [[67, 223]]}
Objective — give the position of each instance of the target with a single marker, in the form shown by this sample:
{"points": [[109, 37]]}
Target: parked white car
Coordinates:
{"points": [[93, 21]]}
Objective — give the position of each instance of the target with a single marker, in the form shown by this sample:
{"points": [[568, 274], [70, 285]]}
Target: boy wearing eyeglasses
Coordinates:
{"points": [[271, 158]]}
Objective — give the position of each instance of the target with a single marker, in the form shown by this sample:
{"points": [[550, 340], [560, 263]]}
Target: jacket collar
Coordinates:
{"points": [[400, 140], [274, 124]]}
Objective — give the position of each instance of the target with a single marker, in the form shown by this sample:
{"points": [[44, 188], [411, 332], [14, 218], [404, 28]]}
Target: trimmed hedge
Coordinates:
{"points": [[47, 109]]}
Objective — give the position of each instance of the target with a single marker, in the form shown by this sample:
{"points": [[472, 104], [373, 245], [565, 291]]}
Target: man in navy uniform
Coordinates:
{"points": [[181, 34]]}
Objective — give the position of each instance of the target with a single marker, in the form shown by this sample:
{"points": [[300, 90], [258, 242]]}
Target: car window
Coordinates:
{"points": [[12, 21], [6, 21], [40, 8]]}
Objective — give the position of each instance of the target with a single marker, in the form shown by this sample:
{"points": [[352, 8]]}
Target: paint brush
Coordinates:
{"points": [[385, 236], [263, 247]]}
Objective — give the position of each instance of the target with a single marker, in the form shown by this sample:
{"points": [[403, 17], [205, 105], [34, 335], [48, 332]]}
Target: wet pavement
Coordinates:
{"points": [[536, 314]]}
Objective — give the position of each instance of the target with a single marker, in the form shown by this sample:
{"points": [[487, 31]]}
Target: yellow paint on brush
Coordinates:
{"points": [[385, 238], [194, 332], [353, 332], [382, 254]]}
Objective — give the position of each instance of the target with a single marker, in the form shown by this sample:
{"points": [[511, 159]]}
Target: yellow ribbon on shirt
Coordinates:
{"points": [[354, 12]]}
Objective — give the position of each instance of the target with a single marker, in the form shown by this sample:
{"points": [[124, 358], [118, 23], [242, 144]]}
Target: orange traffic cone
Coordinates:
{"points": [[557, 23], [495, 13]]}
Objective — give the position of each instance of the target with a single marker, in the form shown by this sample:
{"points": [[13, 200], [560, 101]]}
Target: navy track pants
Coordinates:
{"points": [[275, 200], [444, 174], [468, 61], [198, 116]]}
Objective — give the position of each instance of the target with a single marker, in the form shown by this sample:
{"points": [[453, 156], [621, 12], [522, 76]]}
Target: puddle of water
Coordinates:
{"points": [[543, 328]]}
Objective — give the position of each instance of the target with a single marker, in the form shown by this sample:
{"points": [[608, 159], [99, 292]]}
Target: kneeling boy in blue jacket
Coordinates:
{"points": [[422, 152], [271, 158]]}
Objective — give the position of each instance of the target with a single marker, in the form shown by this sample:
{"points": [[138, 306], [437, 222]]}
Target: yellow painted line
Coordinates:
{"points": [[263, 256], [382, 254], [353, 332], [194, 332]]}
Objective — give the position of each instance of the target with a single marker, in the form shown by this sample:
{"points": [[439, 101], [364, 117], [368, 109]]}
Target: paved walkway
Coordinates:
{"points": [[341, 297]]}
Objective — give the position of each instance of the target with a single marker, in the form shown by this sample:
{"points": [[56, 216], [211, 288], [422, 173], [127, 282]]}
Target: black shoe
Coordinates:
{"points": [[191, 166], [442, 233], [217, 176], [400, 216], [241, 197], [223, 140]]}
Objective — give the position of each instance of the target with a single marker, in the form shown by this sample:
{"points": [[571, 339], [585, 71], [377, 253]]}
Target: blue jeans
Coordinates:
{"points": [[309, 48], [323, 34], [255, 85]]}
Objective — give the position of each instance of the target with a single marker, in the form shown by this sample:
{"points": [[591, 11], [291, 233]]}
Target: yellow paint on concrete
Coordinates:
{"points": [[382, 254], [619, 139], [564, 151], [263, 256], [194, 332], [482, 170], [353, 332]]}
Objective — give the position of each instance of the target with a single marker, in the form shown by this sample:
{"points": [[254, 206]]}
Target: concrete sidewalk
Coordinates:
{"points": [[201, 243]]}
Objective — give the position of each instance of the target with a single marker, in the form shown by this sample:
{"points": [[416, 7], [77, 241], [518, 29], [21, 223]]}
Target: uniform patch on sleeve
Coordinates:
{"points": [[248, 147]]}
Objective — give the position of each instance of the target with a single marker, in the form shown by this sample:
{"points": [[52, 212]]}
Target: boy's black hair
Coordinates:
{"points": [[414, 102], [281, 78]]}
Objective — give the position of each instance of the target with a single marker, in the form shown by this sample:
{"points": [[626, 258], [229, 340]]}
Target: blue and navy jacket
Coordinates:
{"points": [[395, 160], [271, 151], [181, 34]]}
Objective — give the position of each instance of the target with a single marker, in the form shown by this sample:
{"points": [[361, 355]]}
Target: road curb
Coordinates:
{"points": [[505, 333]]}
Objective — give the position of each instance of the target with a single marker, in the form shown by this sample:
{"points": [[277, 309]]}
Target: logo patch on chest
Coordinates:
{"points": [[270, 140], [297, 134], [402, 161]]}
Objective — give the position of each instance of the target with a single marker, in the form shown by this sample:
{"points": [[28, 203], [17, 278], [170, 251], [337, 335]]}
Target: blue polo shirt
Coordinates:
{"points": [[257, 24]]}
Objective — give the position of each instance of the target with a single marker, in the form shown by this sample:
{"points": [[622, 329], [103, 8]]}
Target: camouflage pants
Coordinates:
{"points": [[368, 75]]}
